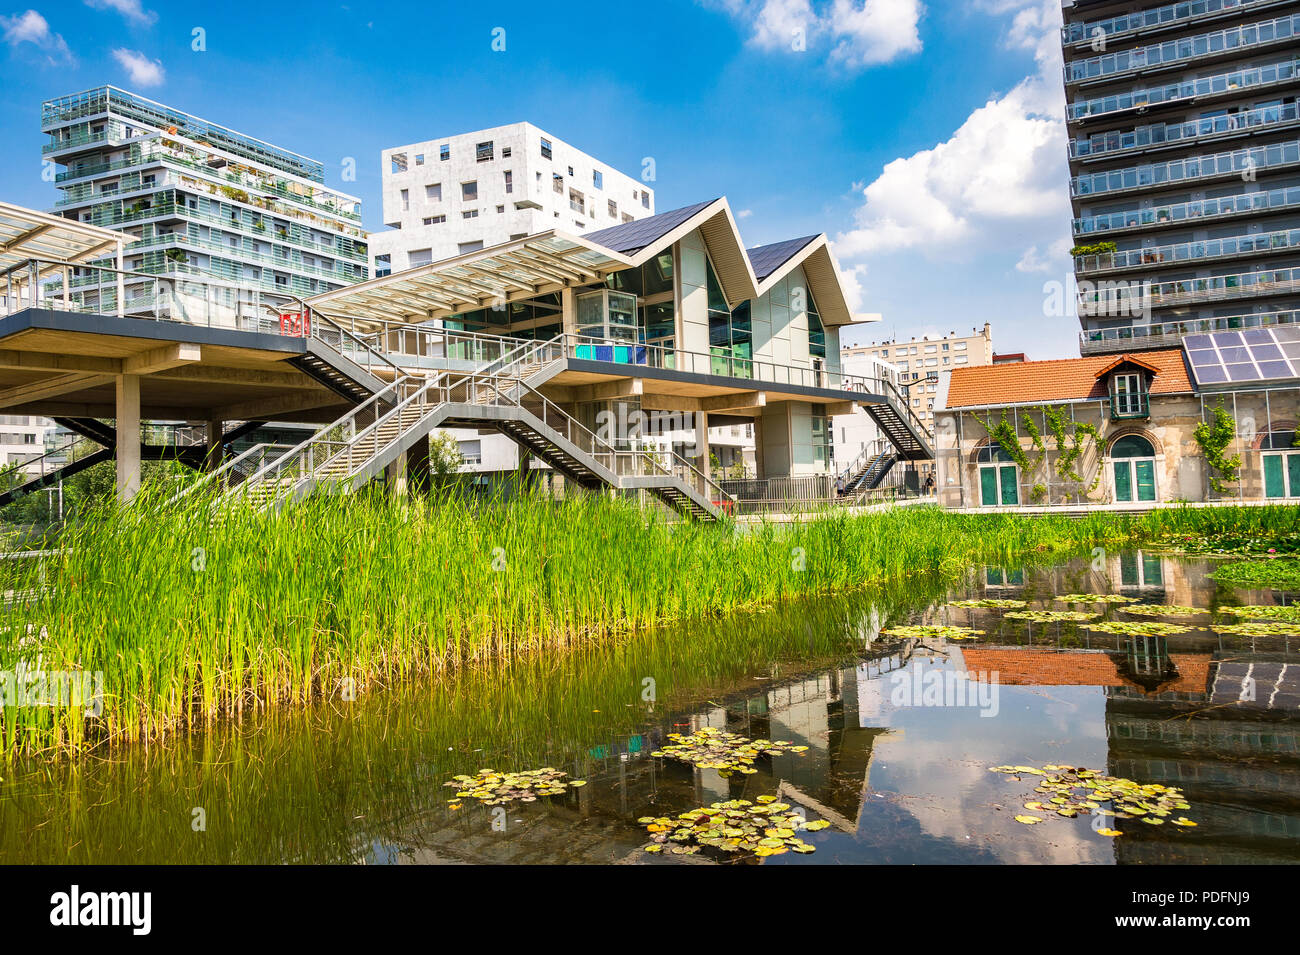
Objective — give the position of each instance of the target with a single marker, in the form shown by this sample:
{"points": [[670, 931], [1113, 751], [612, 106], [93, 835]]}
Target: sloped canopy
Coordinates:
{"points": [[28, 234]]}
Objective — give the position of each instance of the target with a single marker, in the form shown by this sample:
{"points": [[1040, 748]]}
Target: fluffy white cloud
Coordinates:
{"points": [[131, 9], [998, 180], [31, 27], [142, 70], [855, 33]]}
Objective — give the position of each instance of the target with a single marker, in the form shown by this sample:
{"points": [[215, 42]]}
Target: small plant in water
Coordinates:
{"points": [[1144, 628], [1068, 791], [495, 789], [1051, 616], [765, 828], [1285, 612], [1260, 629], [1160, 610], [988, 603], [924, 631], [710, 748], [1095, 599]]}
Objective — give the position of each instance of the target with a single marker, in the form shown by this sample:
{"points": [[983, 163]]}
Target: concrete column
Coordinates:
{"points": [[760, 469], [395, 476], [569, 311], [419, 474], [128, 436], [121, 291], [702, 443], [214, 455]]}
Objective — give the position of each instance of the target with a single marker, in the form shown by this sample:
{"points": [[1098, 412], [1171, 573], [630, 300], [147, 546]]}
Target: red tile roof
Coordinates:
{"points": [[1062, 380]]}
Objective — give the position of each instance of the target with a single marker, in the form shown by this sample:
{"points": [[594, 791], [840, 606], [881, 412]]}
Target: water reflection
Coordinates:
{"points": [[899, 772]]}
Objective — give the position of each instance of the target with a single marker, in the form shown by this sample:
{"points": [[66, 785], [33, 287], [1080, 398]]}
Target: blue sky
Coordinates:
{"points": [[925, 138]]}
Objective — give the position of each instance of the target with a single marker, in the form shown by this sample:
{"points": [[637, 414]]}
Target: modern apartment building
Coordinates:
{"points": [[1184, 151], [199, 199], [457, 194], [22, 439], [916, 366]]}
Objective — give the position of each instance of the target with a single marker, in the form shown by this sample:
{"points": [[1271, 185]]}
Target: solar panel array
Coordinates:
{"points": [[1241, 357]]}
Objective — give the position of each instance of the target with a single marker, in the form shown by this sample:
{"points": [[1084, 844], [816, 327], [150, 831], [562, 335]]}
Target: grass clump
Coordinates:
{"points": [[1283, 572], [193, 614]]}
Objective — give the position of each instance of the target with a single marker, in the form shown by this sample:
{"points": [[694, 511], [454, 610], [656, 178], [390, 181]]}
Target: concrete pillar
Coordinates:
{"points": [[395, 476], [569, 311], [214, 456], [702, 443], [128, 436], [121, 289], [760, 469], [419, 473]]}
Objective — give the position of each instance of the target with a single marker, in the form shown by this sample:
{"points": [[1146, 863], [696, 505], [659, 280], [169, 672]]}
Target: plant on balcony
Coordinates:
{"points": [[1097, 248], [1213, 439]]}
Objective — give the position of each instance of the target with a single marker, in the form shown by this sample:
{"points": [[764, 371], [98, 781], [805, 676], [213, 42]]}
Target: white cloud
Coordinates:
{"points": [[31, 27], [744, 213], [855, 33], [130, 9], [998, 180], [142, 70]]}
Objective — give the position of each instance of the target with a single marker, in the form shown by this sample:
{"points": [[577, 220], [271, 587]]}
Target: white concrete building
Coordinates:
{"points": [[22, 440], [457, 194]]}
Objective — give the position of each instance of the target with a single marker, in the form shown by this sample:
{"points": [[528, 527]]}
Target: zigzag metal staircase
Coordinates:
{"points": [[904, 430], [870, 468], [501, 395]]}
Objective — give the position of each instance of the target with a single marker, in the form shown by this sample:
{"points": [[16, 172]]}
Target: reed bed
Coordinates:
{"points": [[193, 617]]}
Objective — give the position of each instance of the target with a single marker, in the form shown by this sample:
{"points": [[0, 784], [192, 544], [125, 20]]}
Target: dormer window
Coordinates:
{"points": [[1128, 383]]}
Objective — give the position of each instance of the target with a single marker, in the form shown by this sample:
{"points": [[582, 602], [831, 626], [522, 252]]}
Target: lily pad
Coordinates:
{"points": [[922, 632]]}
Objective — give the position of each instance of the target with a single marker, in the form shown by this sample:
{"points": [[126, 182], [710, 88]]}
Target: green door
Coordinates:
{"points": [[988, 487], [1274, 482], [1293, 474], [1146, 480], [1123, 481], [1010, 493]]}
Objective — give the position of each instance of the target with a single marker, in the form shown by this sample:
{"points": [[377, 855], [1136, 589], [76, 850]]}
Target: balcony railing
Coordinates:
{"points": [[1201, 250], [1137, 298], [1166, 134], [1246, 37], [1224, 207], [1187, 170], [1236, 81], [1134, 405], [1170, 334], [1169, 14]]}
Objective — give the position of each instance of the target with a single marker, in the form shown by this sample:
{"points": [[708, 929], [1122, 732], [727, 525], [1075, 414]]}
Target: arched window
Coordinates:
{"points": [[1132, 446], [993, 454], [1134, 463], [1278, 441], [999, 477]]}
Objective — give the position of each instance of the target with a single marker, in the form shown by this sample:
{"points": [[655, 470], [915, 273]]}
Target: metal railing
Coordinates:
{"points": [[1137, 298], [238, 469], [1102, 339], [1164, 134], [1189, 169], [1169, 14], [1192, 213], [1195, 251], [1236, 81]]}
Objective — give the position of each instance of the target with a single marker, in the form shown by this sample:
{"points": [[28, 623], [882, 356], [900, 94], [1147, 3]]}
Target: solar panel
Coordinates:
{"points": [[1253, 354]]}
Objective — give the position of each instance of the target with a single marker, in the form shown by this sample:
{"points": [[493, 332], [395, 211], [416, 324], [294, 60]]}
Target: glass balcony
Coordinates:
{"points": [[1273, 200], [1247, 37], [1258, 77], [1164, 134], [1195, 251], [1186, 170], [1135, 298], [1169, 14], [1169, 334]]}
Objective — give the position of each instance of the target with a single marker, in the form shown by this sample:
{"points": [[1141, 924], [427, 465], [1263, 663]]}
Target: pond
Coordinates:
{"points": [[893, 739]]}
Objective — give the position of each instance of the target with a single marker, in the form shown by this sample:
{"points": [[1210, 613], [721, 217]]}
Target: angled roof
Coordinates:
{"points": [[766, 259], [1069, 379], [636, 235], [28, 234], [1126, 360]]}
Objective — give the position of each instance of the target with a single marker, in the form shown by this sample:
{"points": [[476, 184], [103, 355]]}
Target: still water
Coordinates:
{"points": [[900, 775]]}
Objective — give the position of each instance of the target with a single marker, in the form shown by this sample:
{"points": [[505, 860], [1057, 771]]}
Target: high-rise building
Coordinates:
{"points": [[199, 199], [461, 193], [1184, 150]]}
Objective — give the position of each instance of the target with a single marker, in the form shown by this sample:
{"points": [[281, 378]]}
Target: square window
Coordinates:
{"points": [[484, 152], [419, 159], [397, 163], [505, 152], [469, 190], [444, 152], [546, 149], [433, 192]]}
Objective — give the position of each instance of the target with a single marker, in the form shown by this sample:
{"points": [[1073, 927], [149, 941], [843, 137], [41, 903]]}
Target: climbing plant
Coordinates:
{"points": [[1071, 446], [1214, 438], [1004, 433]]}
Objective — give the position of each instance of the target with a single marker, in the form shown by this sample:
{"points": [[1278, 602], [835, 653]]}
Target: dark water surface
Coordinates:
{"points": [[901, 775]]}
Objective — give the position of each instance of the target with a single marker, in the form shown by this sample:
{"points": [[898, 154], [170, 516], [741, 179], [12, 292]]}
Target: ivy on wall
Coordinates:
{"points": [[1213, 437], [1072, 444]]}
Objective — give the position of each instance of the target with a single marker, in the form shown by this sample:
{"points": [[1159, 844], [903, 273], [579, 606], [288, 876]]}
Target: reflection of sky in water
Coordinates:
{"points": [[929, 785]]}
